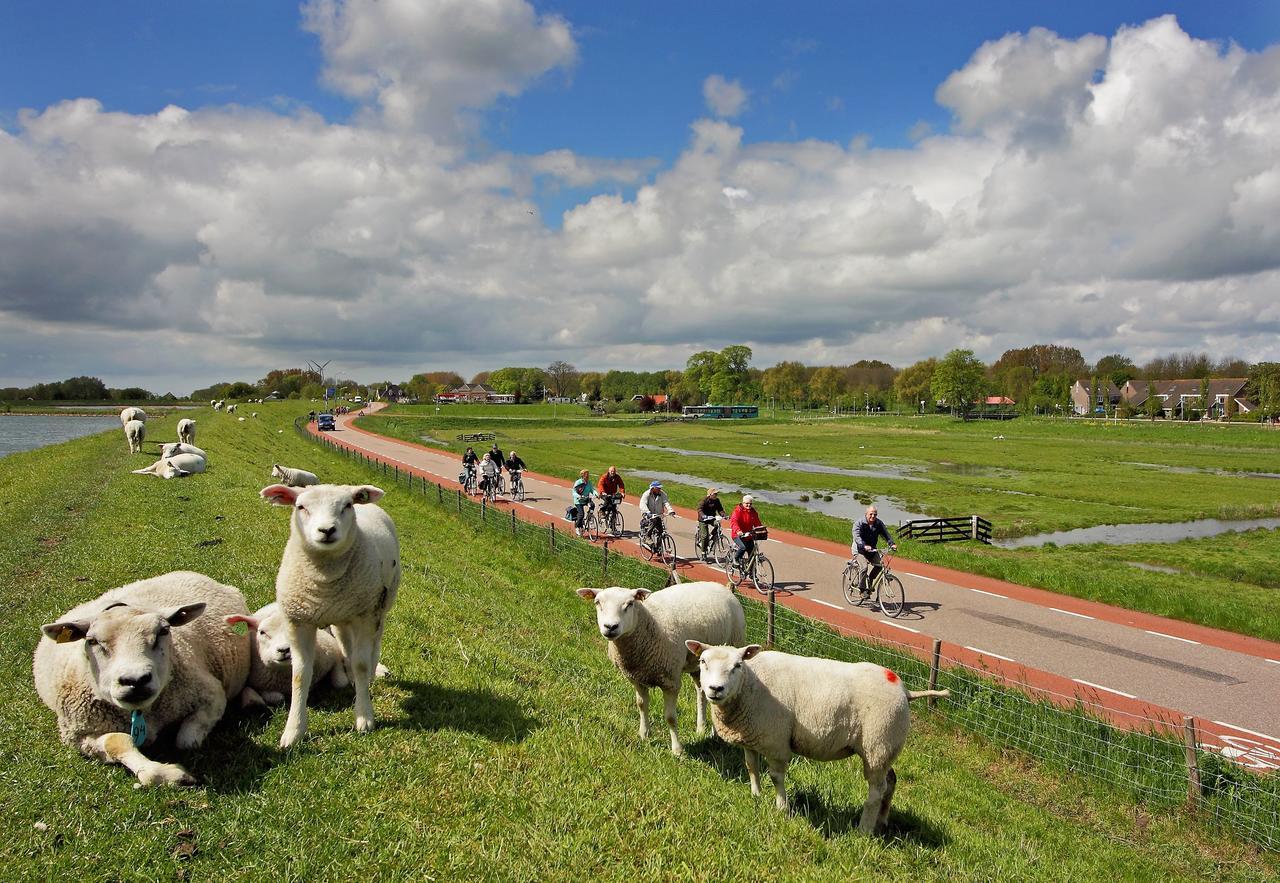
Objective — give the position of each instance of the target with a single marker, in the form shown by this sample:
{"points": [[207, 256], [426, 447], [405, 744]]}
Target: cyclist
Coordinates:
{"points": [[469, 462], [514, 463], [488, 472], [611, 490], [709, 510], [866, 533], [742, 524], [653, 506], [581, 500]]}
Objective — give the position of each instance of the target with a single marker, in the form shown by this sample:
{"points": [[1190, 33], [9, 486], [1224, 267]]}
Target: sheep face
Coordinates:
{"points": [[615, 609], [720, 669], [324, 515], [128, 650], [272, 637], [277, 472]]}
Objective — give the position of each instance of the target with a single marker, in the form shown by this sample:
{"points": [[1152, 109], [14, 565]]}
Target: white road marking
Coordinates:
{"points": [[1273, 661], [1172, 637], [992, 594], [989, 653], [1070, 613], [1243, 730], [815, 551], [826, 604], [926, 578], [905, 628], [1104, 689]]}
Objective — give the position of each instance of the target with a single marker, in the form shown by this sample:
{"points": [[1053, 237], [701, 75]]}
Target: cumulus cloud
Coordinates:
{"points": [[725, 98], [1119, 195]]}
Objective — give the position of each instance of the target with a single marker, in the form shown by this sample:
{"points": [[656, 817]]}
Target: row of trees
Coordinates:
{"points": [[75, 389]]}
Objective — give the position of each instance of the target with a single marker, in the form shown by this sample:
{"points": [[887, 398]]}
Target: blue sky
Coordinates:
{"points": [[591, 121]]}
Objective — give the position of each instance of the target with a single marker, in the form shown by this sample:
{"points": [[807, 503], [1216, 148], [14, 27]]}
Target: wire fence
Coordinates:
{"points": [[1164, 763]]}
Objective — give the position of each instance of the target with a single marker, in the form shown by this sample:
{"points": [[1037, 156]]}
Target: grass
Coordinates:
{"points": [[506, 747], [1044, 475]]}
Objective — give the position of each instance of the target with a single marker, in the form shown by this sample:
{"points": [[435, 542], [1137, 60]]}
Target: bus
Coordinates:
{"points": [[721, 412]]}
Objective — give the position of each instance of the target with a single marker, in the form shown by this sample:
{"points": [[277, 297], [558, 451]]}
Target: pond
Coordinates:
{"points": [[26, 432], [1128, 534], [1200, 470], [784, 461]]}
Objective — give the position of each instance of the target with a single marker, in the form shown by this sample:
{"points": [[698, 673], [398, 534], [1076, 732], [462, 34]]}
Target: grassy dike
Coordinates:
{"points": [[506, 747]]}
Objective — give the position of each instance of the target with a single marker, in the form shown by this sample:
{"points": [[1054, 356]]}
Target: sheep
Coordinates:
{"points": [[135, 432], [647, 632], [217, 405], [271, 660], [121, 668], [231, 409], [170, 449], [177, 466], [341, 567], [187, 431], [132, 414], [293, 477], [780, 705]]}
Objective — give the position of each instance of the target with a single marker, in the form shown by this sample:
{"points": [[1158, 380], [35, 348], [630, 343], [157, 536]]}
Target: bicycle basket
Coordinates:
{"points": [[761, 533]]}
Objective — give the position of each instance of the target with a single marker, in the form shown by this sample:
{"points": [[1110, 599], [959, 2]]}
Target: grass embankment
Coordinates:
{"points": [[1044, 475], [506, 746]]}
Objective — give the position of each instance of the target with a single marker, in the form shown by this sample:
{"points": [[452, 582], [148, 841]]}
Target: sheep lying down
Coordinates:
{"points": [[177, 466], [169, 449]]}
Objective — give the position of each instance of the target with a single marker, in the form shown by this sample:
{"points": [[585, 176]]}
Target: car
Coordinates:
{"points": [[357, 400], [325, 422]]}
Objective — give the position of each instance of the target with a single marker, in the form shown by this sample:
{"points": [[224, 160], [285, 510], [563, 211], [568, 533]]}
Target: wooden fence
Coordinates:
{"points": [[946, 530]]}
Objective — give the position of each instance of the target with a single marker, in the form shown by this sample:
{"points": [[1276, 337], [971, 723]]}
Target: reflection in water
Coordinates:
{"points": [[26, 432], [1200, 470], [899, 471], [1154, 568], [1127, 534]]}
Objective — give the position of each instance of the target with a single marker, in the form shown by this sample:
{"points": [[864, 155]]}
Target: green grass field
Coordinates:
{"points": [[506, 747]]}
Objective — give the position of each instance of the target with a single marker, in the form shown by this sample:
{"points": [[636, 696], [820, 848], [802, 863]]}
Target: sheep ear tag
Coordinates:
{"points": [[137, 728]]}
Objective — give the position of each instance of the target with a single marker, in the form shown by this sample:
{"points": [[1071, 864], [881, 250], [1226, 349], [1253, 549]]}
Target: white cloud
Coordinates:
{"points": [[725, 98]]}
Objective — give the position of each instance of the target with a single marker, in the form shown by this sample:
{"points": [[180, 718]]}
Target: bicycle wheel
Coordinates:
{"points": [[732, 571], [892, 597], [517, 490], [591, 526], [718, 550], [645, 539], [849, 584], [614, 523], [667, 548], [762, 574]]}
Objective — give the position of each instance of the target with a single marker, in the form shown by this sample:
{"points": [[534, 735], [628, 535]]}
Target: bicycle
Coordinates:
{"points": [[715, 547], [656, 545], [755, 565], [491, 489], [467, 478], [611, 514], [591, 524], [501, 484], [886, 590], [517, 487]]}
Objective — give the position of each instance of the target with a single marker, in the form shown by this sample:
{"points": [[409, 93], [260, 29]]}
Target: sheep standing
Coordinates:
{"points": [[647, 632], [132, 414], [135, 432], [780, 705], [138, 659], [217, 405], [187, 431], [271, 661], [176, 466], [231, 409], [293, 477], [341, 567]]}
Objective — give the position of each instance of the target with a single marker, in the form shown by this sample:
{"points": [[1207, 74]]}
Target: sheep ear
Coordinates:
{"points": [[588, 594], [641, 594], [250, 621], [279, 494], [695, 647], [366, 493], [66, 632], [184, 614], [751, 651]]}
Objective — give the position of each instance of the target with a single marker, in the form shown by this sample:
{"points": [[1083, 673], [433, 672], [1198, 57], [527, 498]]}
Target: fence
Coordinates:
{"points": [[1158, 762], [946, 530]]}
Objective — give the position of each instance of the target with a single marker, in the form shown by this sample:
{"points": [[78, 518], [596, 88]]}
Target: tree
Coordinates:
{"points": [[589, 383], [1116, 368], [1153, 402], [958, 380], [826, 384], [1043, 358], [913, 383], [563, 377], [785, 381]]}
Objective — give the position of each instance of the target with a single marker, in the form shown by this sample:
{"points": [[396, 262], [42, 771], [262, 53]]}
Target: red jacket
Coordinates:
{"points": [[743, 520], [611, 485]]}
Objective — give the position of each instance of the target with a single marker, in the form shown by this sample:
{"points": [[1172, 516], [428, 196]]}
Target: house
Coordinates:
{"points": [[1179, 398], [476, 392], [999, 402], [1082, 392], [659, 399]]}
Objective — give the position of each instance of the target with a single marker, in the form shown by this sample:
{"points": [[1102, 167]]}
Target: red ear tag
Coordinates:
{"points": [[890, 676]]}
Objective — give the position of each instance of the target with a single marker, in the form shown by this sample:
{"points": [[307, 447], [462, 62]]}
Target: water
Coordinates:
{"points": [[844, 504], [1128, 534], [26, 432], [1198, 470], [784, 461]]}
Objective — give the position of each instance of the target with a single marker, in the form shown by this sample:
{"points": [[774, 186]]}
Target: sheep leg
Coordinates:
{"points": [[701, 702], [119, 748], [892, 785], [778, 772], [753, 770], [213, 702], [669, 698], [302, 643], [878, 795], [642, 703], [360, 643]]}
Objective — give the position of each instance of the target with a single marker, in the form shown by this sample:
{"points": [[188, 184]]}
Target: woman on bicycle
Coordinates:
{"points": [[866, 533], [469, 461], [488, 472], [742, 525], [581, 500], [708, 511]]}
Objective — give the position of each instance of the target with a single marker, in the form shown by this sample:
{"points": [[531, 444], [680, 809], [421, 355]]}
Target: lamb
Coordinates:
{"points": [[217, 405], [271, 660], [187, 431], [231, 409], [177, 466], [132, 414], [293, 477], [121, 668], [647, 632], [169, 449], [135, 432], [341, 567], [781, 705]]}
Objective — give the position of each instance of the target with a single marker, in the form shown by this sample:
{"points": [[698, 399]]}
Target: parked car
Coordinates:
{"points": [[325, 422], [357, 400]]}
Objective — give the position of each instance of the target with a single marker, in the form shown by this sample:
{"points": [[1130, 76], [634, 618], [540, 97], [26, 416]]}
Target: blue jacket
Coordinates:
{"points": [[865, 536], [581, 492]]}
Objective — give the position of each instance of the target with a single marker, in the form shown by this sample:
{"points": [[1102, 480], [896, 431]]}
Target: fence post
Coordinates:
{"points": [[482, 508], [770, 630], [551, 537], [604, 566], [439, 492], [933, 670], [973, 530], [1193, 765], [459, 501], [398, 474], [513, 522]]}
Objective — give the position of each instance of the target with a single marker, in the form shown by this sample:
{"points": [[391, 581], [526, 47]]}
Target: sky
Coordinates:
{"points": [[192, 193]]}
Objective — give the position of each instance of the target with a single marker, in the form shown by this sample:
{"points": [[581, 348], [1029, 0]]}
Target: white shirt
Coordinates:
{"points": [[655, 502]]}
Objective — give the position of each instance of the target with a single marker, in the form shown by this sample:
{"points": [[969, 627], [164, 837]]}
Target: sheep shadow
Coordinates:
{"points": [[725, 759], [840, 820], [433, 707]]}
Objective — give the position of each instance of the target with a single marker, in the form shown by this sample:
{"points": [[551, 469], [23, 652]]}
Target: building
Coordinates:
{"points": [[1108, 396], [473, 393], [1179, 398]]}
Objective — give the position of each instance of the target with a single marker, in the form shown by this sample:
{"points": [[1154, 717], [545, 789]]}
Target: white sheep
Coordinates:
{"points": [[187, 431], [132, 414], [341, 567], [231, 409], [170, 449], [647, 632], [271, 664], [177, 466], [293, 477], [217, 405], [121, 668], [780, 705], [135, 432]]}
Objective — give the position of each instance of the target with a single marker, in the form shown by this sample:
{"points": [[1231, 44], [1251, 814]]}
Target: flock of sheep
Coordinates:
{"points": [[166, 651]]}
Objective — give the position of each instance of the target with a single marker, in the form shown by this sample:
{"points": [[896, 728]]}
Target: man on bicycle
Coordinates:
{"points": [[866, 533], [611, 489], [514, 464], [708, 511], [581, 500], [742, 525], [653, 506], [469, 461]]}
